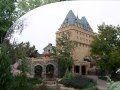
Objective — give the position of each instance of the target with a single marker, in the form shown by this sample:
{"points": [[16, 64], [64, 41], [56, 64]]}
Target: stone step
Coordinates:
{"points": [[49, 82]]}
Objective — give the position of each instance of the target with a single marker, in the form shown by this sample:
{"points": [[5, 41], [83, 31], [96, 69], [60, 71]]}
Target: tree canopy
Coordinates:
{"points": [[64, 49], [24, 6], [10, 10], [16, 50], [106, 47], [7, 11]]}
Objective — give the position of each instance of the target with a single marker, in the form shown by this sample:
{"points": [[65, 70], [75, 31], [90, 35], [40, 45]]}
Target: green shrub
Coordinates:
{"points": [[68, 75], [34, 81], [91, 86], [30, 83], [79, 82]]}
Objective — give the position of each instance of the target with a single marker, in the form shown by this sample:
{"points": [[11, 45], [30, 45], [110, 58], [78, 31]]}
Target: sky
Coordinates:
{"points": [[43, 22]]}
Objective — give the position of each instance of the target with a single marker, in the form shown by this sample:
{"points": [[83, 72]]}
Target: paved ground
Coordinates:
{"points": [[101, 84]]}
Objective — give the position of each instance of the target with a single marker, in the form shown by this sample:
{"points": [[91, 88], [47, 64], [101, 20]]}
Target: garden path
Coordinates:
{"points": [[101, 84]]}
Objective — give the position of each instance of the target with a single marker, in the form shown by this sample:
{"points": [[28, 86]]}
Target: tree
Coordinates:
{"points": [[16, 50], [25, 47], [106, 47], [63, 51], [22, 83], [10, 10], [7, 10], [24, 6], [6, 78], [21, 52]]}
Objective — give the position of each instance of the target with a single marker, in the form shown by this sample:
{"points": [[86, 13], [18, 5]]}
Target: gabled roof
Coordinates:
{"points": [[71, 19]]}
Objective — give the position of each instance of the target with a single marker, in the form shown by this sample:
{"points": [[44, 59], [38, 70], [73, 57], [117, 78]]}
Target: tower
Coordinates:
{"points": [[82, 34]]}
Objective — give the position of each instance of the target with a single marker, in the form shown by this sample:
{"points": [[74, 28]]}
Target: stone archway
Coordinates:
{"points": [[50, 71], [38, 71]]}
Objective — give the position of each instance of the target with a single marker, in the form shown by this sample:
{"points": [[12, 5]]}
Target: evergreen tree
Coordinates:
{"points": [[5, 69]]}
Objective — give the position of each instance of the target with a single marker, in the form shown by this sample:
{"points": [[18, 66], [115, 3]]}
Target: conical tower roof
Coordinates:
{"points": [[70, 18], [84, 22]]}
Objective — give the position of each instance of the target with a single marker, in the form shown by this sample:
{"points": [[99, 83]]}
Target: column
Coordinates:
{"points": [[86, 69], [80, 69], [44, 72]]}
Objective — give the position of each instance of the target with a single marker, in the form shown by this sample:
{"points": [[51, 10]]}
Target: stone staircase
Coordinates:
{"points": [[50, 81], [50, 84]]}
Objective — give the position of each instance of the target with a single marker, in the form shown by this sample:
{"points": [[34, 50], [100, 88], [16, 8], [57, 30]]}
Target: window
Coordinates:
{"points": [[83, 39], [80, 38], [89, 40], [76, 69], [83, 34], [83, 45], [80, 33], [79, 44], [77, 37], [76, 44]]}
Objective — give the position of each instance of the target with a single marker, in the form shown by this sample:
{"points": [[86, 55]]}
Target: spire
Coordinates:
{"points": [[84, 22], [70, 18]]}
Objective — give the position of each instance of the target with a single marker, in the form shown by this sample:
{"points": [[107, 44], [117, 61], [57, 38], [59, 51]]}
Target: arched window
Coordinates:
{"points": [[38, 71], [49, 71]]}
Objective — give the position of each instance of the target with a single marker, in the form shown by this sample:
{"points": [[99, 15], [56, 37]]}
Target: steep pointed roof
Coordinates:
{"points": [[70, 18], [84, 22]]}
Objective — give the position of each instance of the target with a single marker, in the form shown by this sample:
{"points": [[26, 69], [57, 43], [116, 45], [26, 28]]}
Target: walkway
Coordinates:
{"points": [[101, 84], [51, 84]]}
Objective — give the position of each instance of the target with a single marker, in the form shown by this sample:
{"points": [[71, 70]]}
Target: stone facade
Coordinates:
{"points": [[48, 49], [43, 63], [82, 34]]}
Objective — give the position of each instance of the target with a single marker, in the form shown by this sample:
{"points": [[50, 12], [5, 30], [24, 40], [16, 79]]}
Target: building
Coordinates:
{"points": [[44, 66], [82, 34], [48, 49]]}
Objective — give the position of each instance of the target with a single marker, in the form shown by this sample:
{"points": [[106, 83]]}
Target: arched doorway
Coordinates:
{"points": [[38, 71], [49, 71]]}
